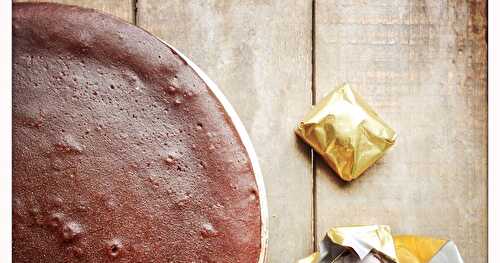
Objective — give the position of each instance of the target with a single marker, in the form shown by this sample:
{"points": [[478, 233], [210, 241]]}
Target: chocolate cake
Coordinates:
{"points": [[122, 151]]}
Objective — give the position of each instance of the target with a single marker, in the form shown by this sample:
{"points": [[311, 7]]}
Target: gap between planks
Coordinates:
{"points": [[313, 100], [134, 12]]}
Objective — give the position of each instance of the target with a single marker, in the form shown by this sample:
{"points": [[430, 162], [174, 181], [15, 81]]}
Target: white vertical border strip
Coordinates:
{"points": [[245, 138], [6, 130], [493, 132]]}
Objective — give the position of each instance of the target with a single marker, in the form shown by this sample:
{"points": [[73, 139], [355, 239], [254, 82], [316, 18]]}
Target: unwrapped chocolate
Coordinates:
{"points": [[346, 132]]}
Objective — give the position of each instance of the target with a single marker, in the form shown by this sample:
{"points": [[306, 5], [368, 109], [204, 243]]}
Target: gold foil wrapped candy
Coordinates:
{"points": [[345, 130]]}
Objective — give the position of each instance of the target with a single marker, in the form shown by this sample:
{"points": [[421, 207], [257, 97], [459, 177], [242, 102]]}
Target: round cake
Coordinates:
{"points": [[123, 150]]}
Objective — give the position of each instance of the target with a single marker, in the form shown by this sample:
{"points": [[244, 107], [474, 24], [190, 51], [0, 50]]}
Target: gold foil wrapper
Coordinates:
{"points": [[346, 131], [416, 249], [375, 244], [353, 244], [364, 239]]}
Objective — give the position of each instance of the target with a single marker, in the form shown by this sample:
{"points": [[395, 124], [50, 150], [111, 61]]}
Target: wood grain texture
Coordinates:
{"points": [[422, 65], [123, 9], [259, 53]]}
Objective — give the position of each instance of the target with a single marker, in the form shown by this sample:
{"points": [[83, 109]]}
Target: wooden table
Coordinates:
{"points": [[421, 64]]}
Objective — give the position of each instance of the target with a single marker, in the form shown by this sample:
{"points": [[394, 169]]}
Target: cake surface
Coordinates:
{"points": [[122, 153]]}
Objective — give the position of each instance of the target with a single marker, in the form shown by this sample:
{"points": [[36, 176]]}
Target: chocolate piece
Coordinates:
{"points": [[121, 151]]}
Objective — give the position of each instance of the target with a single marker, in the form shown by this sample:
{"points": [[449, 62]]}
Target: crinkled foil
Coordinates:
{"points": [[372, 244], [375, 244], [345, 130], [415, 249]]}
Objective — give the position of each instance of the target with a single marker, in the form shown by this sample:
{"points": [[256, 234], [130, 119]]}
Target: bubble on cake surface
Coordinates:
{"points": [[69, 145], [55, 219], [169, 158], [254, 193], [71, 231], [114, 247], [208, 230], [171, 89]]}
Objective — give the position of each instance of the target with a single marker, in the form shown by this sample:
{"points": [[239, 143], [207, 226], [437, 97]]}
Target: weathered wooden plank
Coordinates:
{"points": [[422, 65], [259, 53], [120, 8]]}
